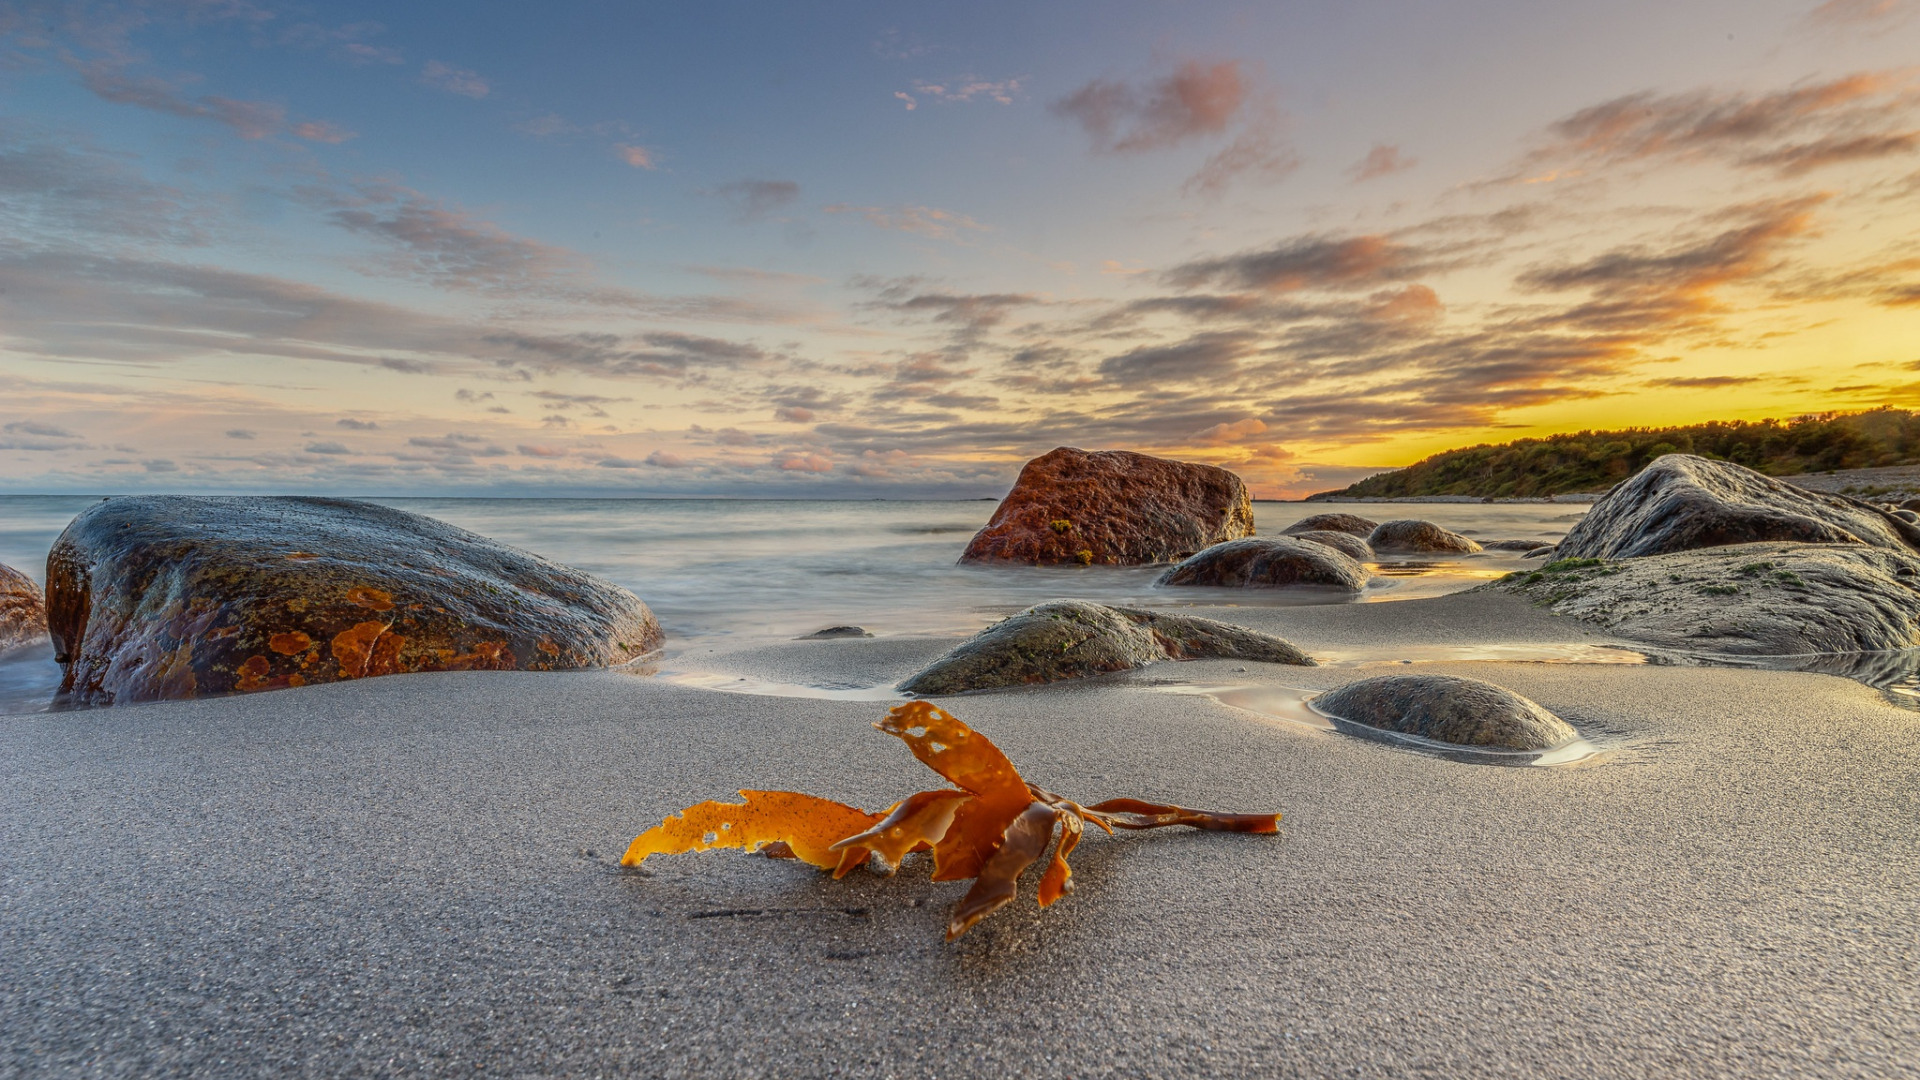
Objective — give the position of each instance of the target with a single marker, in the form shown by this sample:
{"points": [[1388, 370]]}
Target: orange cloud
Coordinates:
{"points": [[1197, 99]]}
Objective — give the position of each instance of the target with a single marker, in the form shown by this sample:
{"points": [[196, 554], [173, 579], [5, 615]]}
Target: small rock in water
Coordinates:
{"points": [[1072, 639], [1539, 552], [1511, 545], [837, 632], [1446, 708], [23, 611], [1410, 534], [1353, 547], [1269, 562], [1352, 524], [1112, 508]]}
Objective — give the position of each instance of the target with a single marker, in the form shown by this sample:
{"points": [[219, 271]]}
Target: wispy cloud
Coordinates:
{"points": [[454, 80], [756, 200], [927, 221], [1199, 98], [966, 88], [637, 156], [1382, 160], [1853, 118]]}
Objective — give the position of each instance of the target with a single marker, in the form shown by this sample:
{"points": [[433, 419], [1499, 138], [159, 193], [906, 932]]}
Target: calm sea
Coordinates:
{"points": [[748, 570]]}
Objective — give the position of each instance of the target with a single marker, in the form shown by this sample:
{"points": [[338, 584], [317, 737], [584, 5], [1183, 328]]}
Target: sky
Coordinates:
{"points": [[893, 250]]}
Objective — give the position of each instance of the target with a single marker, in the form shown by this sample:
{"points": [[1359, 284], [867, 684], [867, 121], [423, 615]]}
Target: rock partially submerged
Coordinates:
{"points": [[164, 596], [831, 632], [1072, 639], [1510, 545], [23, 611], [1413, 535], [1112, 508], [1270, 562], [1353, 524], [1353, 547], [1683, 503], [1742, 600], [1446, 708]]}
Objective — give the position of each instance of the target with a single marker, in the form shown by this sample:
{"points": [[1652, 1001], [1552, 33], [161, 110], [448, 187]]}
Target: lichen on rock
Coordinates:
{"points": [[1772, 599], [163, 596], [1112, 508], [23, 610]]}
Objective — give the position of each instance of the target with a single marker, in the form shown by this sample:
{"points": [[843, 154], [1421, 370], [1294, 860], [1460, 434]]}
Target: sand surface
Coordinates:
{"points": [[417, 874]]}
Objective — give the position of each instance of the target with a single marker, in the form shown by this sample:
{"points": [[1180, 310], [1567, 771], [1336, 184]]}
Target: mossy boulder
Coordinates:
{"points": [[1420, 537], [165, 596], [1446, 708], [1269, 562], [1072, 639]]}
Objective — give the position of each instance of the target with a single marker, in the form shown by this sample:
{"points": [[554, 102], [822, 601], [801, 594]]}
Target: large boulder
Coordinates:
{"points": [[1682, 502], [1446, 708], [1414, 535], [1112, 508], [168, 596], [1072, 639], [23, 611], [1346, 523], [1270, 562], [1353, 547], [1742, 600]]}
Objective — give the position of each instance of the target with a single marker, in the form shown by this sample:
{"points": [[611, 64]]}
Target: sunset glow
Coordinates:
{"points": [[869, 250]]}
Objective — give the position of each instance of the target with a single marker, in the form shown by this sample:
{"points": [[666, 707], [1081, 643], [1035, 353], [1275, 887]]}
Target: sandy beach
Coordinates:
{"points": [[418, 873]]}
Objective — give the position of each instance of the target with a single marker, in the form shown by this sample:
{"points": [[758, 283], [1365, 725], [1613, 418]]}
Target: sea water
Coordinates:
{"points": [[747, 570]]}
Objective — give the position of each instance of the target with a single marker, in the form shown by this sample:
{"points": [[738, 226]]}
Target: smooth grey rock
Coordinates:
{"points": [[1511, 545], [1539, 552], [1447, 708], [1353, 547], [1346, 523], [1269, 562], [837, 632], [1743, 600], [1411, 534], [1072, 639], [1684, 503]]}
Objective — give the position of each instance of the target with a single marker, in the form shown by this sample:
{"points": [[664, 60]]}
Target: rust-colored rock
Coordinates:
{"points": [[23, 611], [1112, 508], [1351, 524], [164, 596]]}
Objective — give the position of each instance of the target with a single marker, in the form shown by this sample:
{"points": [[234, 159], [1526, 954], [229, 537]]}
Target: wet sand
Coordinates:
{"points": [[417, 874]]}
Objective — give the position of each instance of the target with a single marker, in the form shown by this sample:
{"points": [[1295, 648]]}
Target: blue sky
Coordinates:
{"points": [[895, 249]]}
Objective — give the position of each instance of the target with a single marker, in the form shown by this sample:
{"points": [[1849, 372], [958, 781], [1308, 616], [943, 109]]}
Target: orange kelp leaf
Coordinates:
{"points": [[1058, 880], [972, 762], [805, 823], [1025, 839], [922, 818], [1134, 814]]}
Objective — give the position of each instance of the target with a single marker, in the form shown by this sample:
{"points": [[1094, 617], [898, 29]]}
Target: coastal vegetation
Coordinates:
{"points": [[1595, 460]]}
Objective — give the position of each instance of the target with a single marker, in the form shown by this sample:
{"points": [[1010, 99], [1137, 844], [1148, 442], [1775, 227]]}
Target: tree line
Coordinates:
{"points": [[1595, 460]]}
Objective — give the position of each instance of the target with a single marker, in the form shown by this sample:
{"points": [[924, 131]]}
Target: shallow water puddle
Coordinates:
{"points": [[1567, 653], [740, 684], [1294, 707]]}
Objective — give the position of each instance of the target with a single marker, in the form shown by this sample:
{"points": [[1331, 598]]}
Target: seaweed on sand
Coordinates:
{"points": [[989, 827]]}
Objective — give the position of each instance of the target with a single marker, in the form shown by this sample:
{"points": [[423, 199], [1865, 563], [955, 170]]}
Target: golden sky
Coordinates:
{"points": [[859, 250]]}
